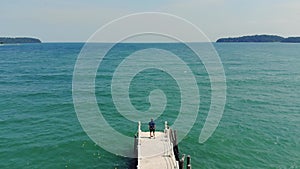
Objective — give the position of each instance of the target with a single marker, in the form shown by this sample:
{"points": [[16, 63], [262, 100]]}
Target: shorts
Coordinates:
{"points": [[152, 130]]}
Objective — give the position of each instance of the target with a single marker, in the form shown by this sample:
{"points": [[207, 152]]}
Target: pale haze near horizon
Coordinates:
{"points": [[76, 21]]}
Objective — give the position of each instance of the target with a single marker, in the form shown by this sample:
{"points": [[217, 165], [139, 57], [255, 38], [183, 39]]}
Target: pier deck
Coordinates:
{"points": [[156, 152]]}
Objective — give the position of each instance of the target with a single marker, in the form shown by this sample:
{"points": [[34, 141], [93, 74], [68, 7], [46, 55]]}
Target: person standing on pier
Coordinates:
{"points": [[152, 128]]}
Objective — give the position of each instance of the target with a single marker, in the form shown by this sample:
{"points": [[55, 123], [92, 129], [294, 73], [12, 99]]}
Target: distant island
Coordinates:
{"points": [[261, 38], [9, 40]]}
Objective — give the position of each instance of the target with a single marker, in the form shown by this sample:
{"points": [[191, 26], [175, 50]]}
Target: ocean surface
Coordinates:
{"points": [[260, 127]]}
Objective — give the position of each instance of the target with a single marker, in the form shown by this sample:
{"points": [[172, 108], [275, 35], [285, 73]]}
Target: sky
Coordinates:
{"points": [[77, 20]]}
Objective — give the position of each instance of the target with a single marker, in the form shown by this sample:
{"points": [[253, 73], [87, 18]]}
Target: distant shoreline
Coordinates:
{"points": [[16, 40], [260, 38]]}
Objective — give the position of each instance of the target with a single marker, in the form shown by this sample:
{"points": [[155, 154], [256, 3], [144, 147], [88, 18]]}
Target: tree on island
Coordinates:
{"points": [[261, 38], [8, 40]]}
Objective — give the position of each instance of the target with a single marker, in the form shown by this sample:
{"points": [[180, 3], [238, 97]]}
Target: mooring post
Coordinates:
{"points": [[181, 162], [166, 125], [188, 162]]}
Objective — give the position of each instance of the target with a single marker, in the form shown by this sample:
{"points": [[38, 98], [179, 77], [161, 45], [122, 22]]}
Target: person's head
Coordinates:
{"points": [[151, 119]]}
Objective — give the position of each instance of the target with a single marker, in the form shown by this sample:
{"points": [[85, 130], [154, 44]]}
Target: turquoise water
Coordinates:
{"points": [[259, 128]]}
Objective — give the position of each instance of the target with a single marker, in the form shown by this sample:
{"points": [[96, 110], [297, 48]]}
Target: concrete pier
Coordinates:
{"points": [[156, 152]]}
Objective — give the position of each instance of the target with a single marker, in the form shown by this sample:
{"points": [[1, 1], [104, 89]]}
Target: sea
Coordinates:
{"points": [[259, 128]]}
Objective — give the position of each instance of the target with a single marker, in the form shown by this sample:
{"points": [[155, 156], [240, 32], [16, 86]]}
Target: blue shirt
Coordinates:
{"points": [[151, 124]]}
